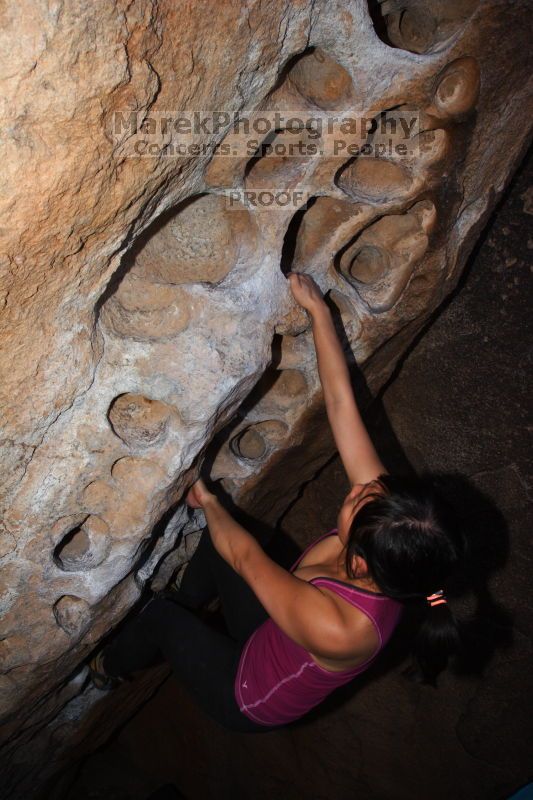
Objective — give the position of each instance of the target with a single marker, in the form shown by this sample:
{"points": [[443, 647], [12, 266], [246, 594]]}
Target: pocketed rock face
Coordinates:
{"points": [[142, 303]]}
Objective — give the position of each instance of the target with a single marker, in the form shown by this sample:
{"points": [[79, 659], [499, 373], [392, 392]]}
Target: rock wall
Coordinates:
{"points": [[146, 320]]}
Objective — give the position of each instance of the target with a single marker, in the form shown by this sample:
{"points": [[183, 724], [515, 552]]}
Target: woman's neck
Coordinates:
{"points": [[364, 581]]}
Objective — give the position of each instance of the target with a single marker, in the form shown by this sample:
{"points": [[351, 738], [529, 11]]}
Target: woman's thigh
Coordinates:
{"points": [[198, 585], [243, 612], [208, 574], [204, 660]]}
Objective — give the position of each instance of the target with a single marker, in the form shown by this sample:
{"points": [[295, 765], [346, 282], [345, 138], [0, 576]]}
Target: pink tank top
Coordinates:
{"points": [[277, 681]]}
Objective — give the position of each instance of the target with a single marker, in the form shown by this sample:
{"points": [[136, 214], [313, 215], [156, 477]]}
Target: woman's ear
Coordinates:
{"points": [[359, 567]]}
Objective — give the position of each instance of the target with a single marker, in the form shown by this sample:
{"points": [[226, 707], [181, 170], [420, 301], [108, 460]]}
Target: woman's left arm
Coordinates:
{"points": [[308, 616]]}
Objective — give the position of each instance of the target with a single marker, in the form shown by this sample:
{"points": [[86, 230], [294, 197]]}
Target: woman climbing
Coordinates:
{"points": [[294, 636]]}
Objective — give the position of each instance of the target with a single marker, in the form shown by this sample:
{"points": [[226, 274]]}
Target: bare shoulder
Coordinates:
{"points": [[360, 638]]}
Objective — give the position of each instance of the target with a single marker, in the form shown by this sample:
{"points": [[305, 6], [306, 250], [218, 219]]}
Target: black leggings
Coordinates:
{"points": [[204, 660]]}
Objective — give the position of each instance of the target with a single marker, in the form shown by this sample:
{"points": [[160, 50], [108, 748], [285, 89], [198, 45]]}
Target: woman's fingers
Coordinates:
{"points": [[298, 283], [191, 499], [294, 279], [304, 289], [194, 496], [198, 494]]}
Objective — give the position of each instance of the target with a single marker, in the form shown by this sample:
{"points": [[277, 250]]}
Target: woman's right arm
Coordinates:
{"points": [[358, 455], [306, 614]]}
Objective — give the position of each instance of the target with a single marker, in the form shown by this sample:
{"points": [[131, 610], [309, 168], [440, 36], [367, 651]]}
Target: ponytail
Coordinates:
{"points": [[412, 541], [438, 639]]}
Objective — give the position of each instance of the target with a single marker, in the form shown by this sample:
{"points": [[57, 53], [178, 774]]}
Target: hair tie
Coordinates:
{"points": [[437, 598]]}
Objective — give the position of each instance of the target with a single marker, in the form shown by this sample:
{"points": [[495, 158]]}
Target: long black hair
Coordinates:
{"points": [[412, 544]]}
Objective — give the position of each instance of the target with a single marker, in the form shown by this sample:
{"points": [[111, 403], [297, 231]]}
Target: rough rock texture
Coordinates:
{"points": [[449, 409], [140, 309]]}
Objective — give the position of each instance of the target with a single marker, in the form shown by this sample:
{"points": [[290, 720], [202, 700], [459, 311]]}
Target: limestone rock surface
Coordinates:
{"points": [[146, 321]]}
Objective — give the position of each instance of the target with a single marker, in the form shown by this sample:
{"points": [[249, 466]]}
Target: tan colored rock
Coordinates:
{"points": [[322, 81], [259, 440], [419, 26], [72, 614], [381, 260], [374, 179], [145, 311], [146, 317], [83, 547], [139, 421], [283, 161], [457, 88], [201, 242]]}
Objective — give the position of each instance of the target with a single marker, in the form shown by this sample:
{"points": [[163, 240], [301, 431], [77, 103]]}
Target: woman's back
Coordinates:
{"points": [[277, 679], [323, 558]]}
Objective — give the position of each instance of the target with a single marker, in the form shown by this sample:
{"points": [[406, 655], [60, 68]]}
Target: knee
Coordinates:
{"points": [[159, 603], [157, 608], [164, 609]]}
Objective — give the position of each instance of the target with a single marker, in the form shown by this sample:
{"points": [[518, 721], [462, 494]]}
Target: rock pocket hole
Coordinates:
{"points": [[280, 390], [260, 152], [281, 160], [199, 241], [373, 179], [416, 25], [457, 88], [321, 80], [380, 261], [345, 260], [139, 421], [136, 248], [258, 440], [379, 21], [84, 546], [366, 265], [249, 444], [72, 614]]}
